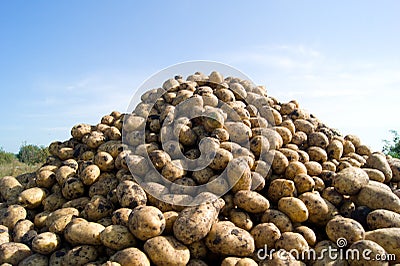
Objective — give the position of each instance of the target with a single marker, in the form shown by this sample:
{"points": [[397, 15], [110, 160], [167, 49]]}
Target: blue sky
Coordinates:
{"points": [[66, 62]]}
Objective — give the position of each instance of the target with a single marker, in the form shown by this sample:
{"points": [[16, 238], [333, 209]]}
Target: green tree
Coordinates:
{"points": [[32, 154], [392, 147], [6, 157]]}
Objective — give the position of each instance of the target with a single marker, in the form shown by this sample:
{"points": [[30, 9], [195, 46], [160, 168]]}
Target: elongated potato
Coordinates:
{"points": [[294, 208]]}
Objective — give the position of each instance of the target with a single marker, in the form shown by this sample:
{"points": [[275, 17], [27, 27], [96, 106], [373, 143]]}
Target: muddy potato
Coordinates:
{"points": [[53, 202], [374, 251], [313, 168], [221, 159], [299, 138], [340, 227], [80, 130], [13, 253], [117, 237], [257, 181], [173, 170], [308, 234], [388, 238], [320, 211], [32, 197], [318, 139], [294, 208], [11, 215], [194, 222], [170, 218], [72, 188], [4, 234], [104, 161], [90, 174], [291, 154], [57, 220], [80, 255], [281, 220], [140, 163], [265, 234], [350, 181], [317, 154], [46, 243], [280, 188], [285, 134], [376, 197], [304, 125], [251, 201], [383, 219], [227, 239], [241, 219], [331, 195], [328, 166], [166, 250], [103, 185], [131, 194], [348, 147], [35, 260], [82, 232], [130, 256], [146, 222], [379, 162], [196, 262], [375, 174], [294, 169], [121, 216], [20, 229], [279, 161], [303, 183], [10, 188], [78, 203], [259, 144], [289, 241], [62, 174], [97, 208]]}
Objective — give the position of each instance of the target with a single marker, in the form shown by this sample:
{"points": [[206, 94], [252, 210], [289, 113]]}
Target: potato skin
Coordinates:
{"points": [[388, 238], [80, 231], [227, 239], [11, 215], [117, 237], [373, 248], [45, 243], [383, 219], [146, 222], [281, 220], [265, 234], [35, 260], [320, 210], [251, 201], [166, 250], [194, 223], [350, 181], [294, 208], [13, 253], [340, 227], [80, 255], [130, 256], [377, 198], [290, 240]]}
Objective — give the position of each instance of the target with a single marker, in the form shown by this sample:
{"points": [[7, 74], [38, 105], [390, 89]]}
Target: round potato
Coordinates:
{"points": [[280, 188], [32, 197], [341, 227], [265, 234], [146, 222], [131, 194], [350, 181], [80, 255], [11, 215], [117, 237], [290, 241], [46, 243], [281, 220]]}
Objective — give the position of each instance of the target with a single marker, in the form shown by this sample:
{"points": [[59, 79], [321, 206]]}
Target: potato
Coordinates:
{"points": [[73, 188], [13, 253], [265, 234], [238, 174], [103, 185], [383, 219], [173, 170], [194, 223], [98, 208], [104, 161], [159, 158], [285, 134], [10, 188], [241, 219], [279, 161], [299, 138], [292, 241], [78, 203], [317, 154], [350, 181], [308, 234], [280, 188], [294, 169], [130, 256], [304, 125], [82, 232], [166, 250], [303, 183], [313, 168], [259, 144], [379, 162], [11, 215], [4, 234], [294, 208], [320, 211], [35, 260], [146, 222], [377, 198], [117, 237], [373, 249], [221, 159], [62, 174], [251, 201], [121, 216], [388, 238], [281, 220], [328, 166], [196, 262], [227, 239], [90, 174], [46, 243], [341, 227], [131, 194], [80, 255], [331, 195], [394, 164], [322, 259], [32, 197], [21, 228], [335, 149], [318, 139], [53, 202], [375, 174]]}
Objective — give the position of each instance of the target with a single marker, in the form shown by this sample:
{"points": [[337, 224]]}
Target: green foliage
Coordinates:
{"points": [[6, 157], [32, 154], [392, 147]]}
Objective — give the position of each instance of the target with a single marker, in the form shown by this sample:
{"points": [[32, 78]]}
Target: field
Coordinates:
{"points": [[15, 168]]}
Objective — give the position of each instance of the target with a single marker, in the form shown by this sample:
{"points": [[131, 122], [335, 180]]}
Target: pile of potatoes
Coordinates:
{"points": [[274, 176]]}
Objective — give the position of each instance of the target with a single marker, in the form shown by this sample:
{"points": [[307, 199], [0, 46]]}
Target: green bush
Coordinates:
{"points": [[32, 154], [392, 147], [6, 157]]}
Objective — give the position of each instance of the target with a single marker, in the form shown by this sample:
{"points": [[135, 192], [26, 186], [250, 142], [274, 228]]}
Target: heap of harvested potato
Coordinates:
{"points": [[275, 177]]}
